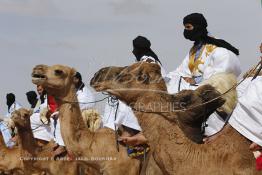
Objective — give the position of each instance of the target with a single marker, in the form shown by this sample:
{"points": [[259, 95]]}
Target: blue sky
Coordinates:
{"points": [[88, 35]]}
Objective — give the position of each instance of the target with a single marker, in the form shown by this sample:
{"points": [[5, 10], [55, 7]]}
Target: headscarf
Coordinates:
{"points": [[142, 48], [32, 98], [200, 34], [10, 99]]}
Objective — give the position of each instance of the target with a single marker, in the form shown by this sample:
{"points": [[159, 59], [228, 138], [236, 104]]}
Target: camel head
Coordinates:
{"points": [[21, 118], [199, 104], [57, 80], [128, 83]]}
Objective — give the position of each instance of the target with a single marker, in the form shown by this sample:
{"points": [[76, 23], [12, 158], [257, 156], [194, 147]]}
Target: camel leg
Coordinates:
{"points": [[163, 160], [152, 167], [123, 167]]}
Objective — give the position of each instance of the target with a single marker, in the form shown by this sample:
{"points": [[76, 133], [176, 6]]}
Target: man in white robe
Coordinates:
{"points": [[123, 115], [247, 116], [12, 106], [207, 57], [40, 127]]}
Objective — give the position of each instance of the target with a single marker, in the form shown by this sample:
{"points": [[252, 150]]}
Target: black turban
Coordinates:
{"points": [[141, 42], [32, 98], [31, 95], [10, 99], [142, 48], [200, 33], [196, 19]]}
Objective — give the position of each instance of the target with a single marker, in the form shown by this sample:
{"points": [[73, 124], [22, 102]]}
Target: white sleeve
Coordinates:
{"points": [[222, 60], [183, 69]]}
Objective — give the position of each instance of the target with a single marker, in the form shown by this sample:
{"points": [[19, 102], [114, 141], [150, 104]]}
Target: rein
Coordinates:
{"points": [[76, 102]]}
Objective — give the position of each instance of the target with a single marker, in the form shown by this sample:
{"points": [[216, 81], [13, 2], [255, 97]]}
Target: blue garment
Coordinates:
{"points": [[6, 135]]}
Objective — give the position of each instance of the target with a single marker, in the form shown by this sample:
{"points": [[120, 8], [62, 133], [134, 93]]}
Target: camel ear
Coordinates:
{"points": [[207, 92], [73, 72]]}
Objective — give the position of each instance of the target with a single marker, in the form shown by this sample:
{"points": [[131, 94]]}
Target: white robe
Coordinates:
{"points": [[40, 131], [6, 133], [14, 106], [125, 116], [247, 116], [215, 60], [56, 131], [85, 96]]}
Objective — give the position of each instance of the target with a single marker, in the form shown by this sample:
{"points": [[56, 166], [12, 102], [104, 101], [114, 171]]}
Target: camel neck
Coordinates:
{"points": [[26, 139], [72, 124], [163, 114]]}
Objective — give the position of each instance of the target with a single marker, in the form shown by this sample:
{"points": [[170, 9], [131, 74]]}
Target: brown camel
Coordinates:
{"points": [[98, 149], [9, 158], [175, 136], [38, 159]]}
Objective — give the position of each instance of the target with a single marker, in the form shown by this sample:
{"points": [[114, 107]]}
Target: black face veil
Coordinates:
{"points": [[200, 33]]}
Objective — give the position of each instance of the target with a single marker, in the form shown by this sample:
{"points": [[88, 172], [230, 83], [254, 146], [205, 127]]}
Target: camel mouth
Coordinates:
{"points": [[37, 78]]}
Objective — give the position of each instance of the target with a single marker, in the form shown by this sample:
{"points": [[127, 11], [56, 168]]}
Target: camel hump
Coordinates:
{"points": [[92, 119], [222, 83]]}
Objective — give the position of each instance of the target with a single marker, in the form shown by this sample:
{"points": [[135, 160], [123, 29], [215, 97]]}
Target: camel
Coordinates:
{"points": [[97, 149], [38, 159], [175, 137], [9, 158]]}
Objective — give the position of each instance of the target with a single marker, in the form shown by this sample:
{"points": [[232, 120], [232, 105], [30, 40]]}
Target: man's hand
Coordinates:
{"points": [[189, 80]]}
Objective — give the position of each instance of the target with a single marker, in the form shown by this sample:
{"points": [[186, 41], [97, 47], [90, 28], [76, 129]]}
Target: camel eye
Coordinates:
{"points": [[58, 72], [144, 78]]}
